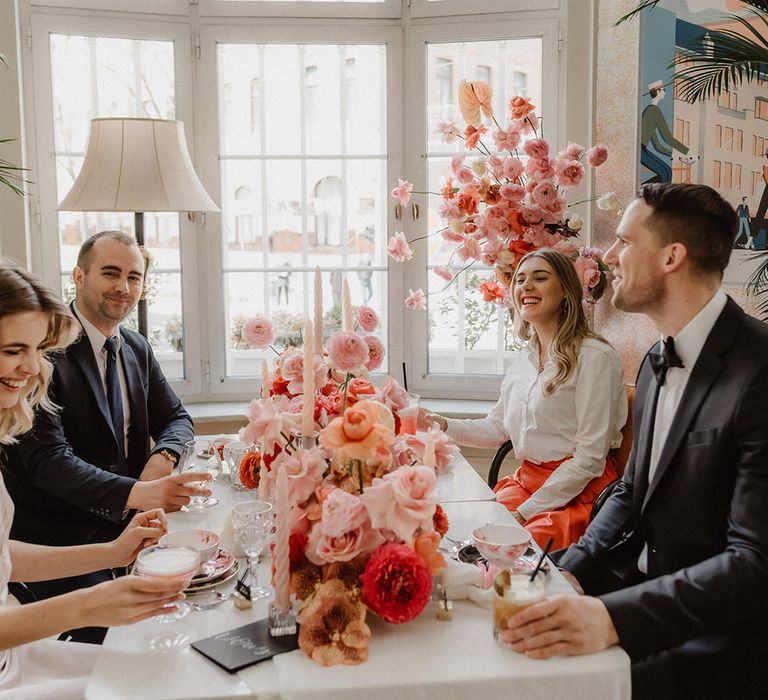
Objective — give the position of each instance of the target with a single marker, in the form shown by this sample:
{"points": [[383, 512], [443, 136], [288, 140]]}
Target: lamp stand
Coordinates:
{"points": [[138, 226]]}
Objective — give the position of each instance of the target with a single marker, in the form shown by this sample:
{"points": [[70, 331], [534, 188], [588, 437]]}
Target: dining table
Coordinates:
{"points": [[423, 659]]}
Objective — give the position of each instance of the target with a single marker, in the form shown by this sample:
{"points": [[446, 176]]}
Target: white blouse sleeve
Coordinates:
{"points": [[601, 406], [480, 432]]}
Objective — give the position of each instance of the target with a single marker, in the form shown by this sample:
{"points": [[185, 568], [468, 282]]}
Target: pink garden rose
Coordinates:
{"points": [[416, 300], [375, 353], [391, 394], [403, 501], [569, 172], [512, 168], [267, 419], [402, 191], [539, 168], [347, 351], [573, 151], [305, 471], [507, 139], [597, 155], [398, 248], [367, 318], [536, 148], [343, 532], [588, 271], [258, 332], [291, 365], [512, 193]]}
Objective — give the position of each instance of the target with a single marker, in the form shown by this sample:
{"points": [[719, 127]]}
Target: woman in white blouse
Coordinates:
{"points": [[34, 322], [562, 405]]}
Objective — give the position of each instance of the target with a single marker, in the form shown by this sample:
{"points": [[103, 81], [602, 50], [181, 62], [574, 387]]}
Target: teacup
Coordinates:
{"points": [[501, 544], [206, 542]]}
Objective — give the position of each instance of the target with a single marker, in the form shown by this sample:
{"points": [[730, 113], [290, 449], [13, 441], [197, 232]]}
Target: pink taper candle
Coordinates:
{"points": [[265, 383], [282, 526], [263, 482], [346, 306], [308, 411], [429, 451], [318, 312]]}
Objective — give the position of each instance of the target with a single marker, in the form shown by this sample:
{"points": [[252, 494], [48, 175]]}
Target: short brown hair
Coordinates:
{"points": [[86, 250], [696, 216]]}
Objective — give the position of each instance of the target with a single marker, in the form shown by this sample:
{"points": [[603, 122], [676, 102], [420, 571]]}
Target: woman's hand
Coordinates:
{"points": [[518, 517], [145, 529], [426, 419], [125, 600]]}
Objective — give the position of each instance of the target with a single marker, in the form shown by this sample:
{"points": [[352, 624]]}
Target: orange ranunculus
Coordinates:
{"points": [[516, 223], [249, 470], [519, 249], [492, 291], [488, 193], [468, 200], [448, 192], [520, 107], [426, 547], [475, 96], [358, 388], [472, 135], [364, 432]]}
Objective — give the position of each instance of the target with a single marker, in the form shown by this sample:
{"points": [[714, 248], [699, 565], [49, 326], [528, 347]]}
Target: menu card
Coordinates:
{"points": [[244, 646]]}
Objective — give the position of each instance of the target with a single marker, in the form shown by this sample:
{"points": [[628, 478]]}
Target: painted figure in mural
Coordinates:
{"points": [[654, 131], [759, 222], [742, 211]]}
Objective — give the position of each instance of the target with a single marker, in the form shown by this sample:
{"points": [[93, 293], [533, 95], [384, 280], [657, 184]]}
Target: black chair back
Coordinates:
{"points": [[501, 453]]}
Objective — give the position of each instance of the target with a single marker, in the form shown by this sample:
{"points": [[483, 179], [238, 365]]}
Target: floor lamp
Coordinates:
{"points": [[137, 165]]}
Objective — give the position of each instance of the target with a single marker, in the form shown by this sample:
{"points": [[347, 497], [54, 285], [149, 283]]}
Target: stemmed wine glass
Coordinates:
{"points": [[177, 562], [201, 456], [252, 521]]}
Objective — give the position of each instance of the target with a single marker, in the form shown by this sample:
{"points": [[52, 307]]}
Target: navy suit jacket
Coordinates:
{"points": [[704, 516], [64, 476]]}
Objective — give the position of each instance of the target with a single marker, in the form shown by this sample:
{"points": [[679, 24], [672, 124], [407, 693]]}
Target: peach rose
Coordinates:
{"points": [[520, 107], [364, 432]]}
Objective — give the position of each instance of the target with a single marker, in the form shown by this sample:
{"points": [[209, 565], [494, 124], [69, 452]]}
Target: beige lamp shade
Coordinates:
{"points": [[137, 165]]}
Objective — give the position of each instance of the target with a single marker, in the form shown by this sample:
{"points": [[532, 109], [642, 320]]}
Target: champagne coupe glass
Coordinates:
{"points": [[177, 562], [252, 521], [201, 456]]}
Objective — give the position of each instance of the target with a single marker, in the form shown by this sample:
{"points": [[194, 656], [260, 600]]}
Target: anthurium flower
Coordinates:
{"points": [[474, 97]]}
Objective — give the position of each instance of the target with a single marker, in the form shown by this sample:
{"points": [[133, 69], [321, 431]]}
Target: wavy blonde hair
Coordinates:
{"points": [[572, 326], [21, 291]]}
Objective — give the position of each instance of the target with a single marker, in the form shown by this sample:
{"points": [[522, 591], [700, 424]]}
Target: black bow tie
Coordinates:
{"points": [[662, 362]]}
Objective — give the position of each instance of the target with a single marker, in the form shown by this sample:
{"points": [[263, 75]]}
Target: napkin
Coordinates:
{"points": [[228, 539], [459, 578]]}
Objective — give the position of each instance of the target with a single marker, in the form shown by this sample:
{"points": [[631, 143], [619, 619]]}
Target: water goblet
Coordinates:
{"points": [[252, 521], [176, 562], [201, 456]]}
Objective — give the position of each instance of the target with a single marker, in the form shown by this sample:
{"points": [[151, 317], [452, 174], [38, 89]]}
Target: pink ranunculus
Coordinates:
{"points": [[449, 209], [512, 168], [404, 452], [266, 420], [507, 139], [368, 319], [445, 448], [544, 193], [491, 249], [416, 300], [470, 248], [403, 501], [402, 191], [258, 332], [512, 193], [343, 532], [536, 148], [347, 351], [569, 172], [291, 366], [465, 176], [554, 210], [305, 470], [583, 265], [591, 278], [448, 130], [597, 155], [452, 236], [495, 164], [375, 352], [398, 248], [457, 162], [574, 150], [391, 394], [539, 168], [443, 272]]}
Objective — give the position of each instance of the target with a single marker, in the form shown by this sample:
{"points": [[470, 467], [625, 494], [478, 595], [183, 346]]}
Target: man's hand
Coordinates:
{"points": [[561, 626], [169, 493], [145, 529], [157, 466]]}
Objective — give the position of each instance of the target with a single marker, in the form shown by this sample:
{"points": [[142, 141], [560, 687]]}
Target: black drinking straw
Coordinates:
{"points": [[405, 378], [543, 556]]}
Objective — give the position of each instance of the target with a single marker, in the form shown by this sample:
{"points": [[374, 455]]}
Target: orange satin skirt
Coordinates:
{"points": [[565, 524]]}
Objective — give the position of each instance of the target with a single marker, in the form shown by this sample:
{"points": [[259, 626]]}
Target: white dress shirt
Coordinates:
{"points": [[97, 340], [581, 420], [688, 345]]}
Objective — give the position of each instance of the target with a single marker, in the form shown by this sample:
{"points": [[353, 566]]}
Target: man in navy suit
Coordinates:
{"points": [[75, 477], [675, 565]]}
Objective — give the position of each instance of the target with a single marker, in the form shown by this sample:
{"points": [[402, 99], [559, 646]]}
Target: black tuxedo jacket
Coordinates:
{"points": [[64, 476], [703, 604]]}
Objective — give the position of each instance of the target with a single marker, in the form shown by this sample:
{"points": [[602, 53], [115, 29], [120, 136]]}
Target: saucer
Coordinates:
{"points": [[228, 575], [214, 567]]}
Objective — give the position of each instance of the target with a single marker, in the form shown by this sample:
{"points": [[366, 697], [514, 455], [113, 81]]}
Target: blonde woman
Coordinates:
{"points": [[562, 404], [33, 323]]}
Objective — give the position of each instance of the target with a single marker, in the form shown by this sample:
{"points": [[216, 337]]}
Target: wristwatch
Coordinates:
{"points": [[169, 455]]}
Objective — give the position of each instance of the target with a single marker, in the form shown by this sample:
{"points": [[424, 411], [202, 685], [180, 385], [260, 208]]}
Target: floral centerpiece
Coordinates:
{"points": [[509, 200], [362, 505]]}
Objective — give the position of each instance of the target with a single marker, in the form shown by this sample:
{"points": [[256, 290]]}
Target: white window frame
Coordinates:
{"points": [[265, 32], [257, 8], [44, 226], [164, 7], [416, 329], [441, 8]]}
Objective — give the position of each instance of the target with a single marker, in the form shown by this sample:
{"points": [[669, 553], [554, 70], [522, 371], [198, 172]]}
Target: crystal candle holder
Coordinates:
{"points": [[282, 621], [307, 442]]}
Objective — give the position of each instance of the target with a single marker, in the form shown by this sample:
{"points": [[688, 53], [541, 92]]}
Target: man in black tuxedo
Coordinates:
{"points": [[675, 565], [75, 477]]}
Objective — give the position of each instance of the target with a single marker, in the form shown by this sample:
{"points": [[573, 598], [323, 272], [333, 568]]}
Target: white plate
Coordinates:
{"points": [[215, 582]]}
